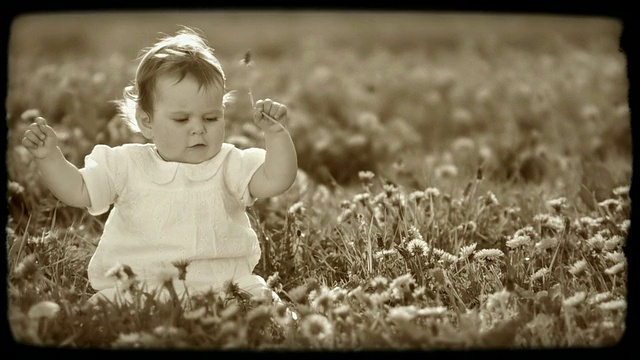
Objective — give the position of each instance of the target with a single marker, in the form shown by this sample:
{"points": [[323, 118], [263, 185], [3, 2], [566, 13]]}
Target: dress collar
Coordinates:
{"points": [[161, 172]]}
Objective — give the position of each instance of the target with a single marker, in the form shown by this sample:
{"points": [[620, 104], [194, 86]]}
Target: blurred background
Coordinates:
{"points": [[415, 96]]}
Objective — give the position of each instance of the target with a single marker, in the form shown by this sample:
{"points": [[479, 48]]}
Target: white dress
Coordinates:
{"points": [[165, 212]]}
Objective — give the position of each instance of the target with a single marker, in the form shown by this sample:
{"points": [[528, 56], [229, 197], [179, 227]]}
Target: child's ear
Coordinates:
{"points": [[144, 123]]}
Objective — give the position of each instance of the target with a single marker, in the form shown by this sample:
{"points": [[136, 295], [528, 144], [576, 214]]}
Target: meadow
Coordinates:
{"points": [[464, 182]]}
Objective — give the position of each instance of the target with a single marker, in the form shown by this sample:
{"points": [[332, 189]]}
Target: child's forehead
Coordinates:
{"points": [[169, 81]]}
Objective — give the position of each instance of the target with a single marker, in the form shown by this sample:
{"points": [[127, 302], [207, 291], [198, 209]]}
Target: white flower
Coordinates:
{"points": [[44, 309]]}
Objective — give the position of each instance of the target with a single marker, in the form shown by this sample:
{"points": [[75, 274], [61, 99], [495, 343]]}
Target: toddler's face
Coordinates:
{"points": [[188, 120]]}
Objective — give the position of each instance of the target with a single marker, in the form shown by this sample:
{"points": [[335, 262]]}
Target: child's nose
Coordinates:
{"points": [[198, 127]]}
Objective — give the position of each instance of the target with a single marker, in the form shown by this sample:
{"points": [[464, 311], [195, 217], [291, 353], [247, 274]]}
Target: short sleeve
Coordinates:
{"points": [[102, 172], [241, 165]]}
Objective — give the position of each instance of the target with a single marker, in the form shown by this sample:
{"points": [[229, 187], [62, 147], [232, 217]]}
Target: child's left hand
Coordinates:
{"points": [[275, 110]]}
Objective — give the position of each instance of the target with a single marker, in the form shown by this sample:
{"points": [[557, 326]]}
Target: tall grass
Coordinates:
{"points": [[447, 196]]}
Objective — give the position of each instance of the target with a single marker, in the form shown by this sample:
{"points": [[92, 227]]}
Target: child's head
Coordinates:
{"points": [[186, 53]]}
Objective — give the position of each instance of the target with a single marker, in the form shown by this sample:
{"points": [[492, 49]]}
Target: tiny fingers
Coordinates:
{"points": [[31, 142]]}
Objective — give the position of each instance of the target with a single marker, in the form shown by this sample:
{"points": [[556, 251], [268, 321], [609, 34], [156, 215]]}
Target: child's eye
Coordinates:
{"points": [[180, 120], [212, 119]]}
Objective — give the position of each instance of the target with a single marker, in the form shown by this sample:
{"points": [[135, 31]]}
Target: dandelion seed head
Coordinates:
{"points": [[418, 247]]}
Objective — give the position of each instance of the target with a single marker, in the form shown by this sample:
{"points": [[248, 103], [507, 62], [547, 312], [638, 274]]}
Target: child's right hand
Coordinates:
{"points": [[40, 139]]}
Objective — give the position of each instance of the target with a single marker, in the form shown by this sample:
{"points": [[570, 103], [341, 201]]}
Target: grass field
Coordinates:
{"points": [[464, 181]]}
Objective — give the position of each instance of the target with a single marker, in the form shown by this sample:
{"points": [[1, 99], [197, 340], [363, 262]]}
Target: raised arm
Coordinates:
{"points": [[59, 175], [278, 172]]}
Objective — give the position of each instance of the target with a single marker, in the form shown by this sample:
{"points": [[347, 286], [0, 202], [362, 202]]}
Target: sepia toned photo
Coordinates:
{"points": [[317, 180]]}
